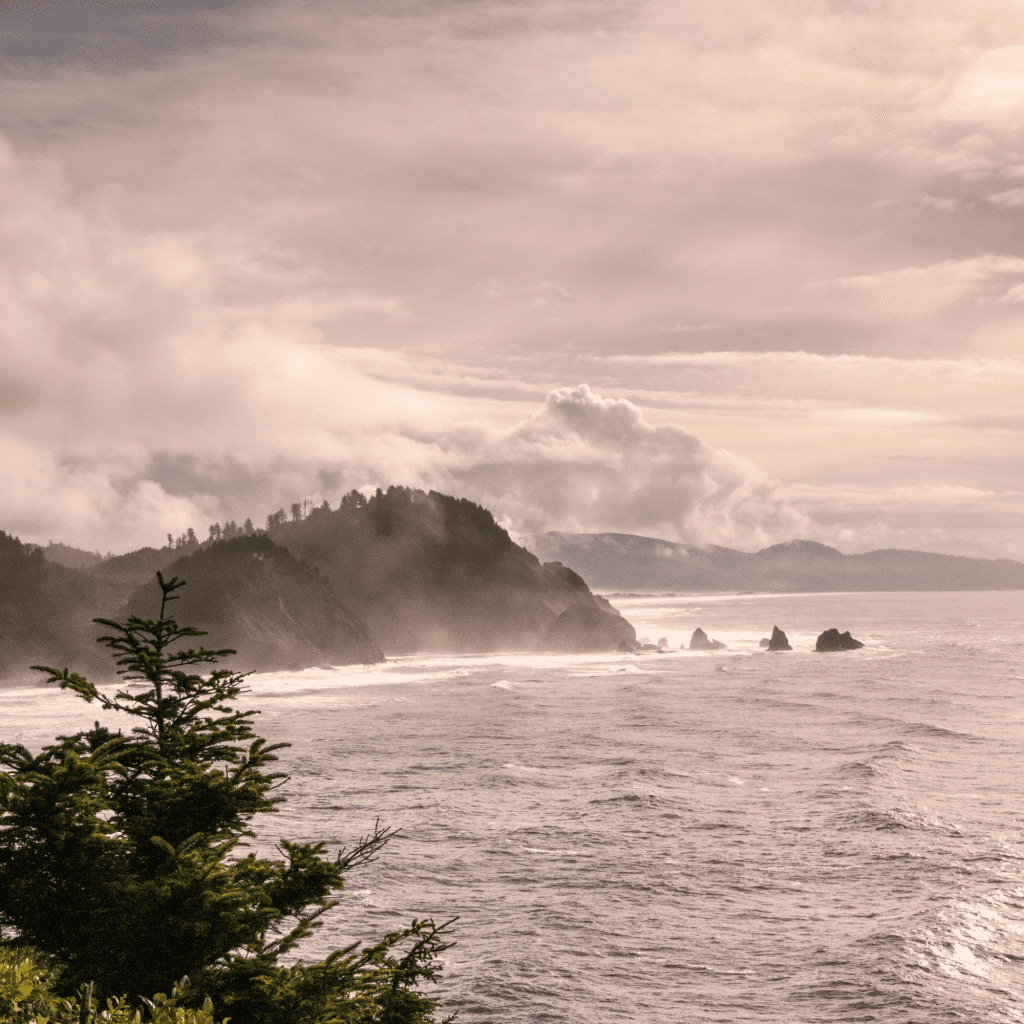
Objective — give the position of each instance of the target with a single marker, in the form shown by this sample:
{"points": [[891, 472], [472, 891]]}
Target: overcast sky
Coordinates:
{"points": [[725, 272]]}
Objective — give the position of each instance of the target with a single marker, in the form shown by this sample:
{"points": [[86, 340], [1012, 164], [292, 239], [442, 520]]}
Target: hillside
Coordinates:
{"points": [[429, 572], [616, 561], [71, 558], [400, 572], [129, 571], [252, 595], [46, 613]]}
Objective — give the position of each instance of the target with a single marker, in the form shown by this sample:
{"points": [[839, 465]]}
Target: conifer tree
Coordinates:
{"points": [[120, 854]]}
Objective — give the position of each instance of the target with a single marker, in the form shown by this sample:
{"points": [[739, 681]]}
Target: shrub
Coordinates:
{"points": [[26, 997]]}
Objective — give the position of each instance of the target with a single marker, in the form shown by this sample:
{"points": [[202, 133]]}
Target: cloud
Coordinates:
{"points": [[944, 204], [942, 518], [125, 350], [663, 164], [910, 293], [588, 463], [992, 86], [1011, 198], [94, 504]]}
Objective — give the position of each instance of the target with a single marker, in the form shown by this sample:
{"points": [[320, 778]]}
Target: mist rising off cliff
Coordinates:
{"points": [[430, 572]]}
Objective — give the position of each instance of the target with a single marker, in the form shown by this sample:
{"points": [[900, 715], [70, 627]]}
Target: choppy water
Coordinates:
{"points": [[731, 836]]}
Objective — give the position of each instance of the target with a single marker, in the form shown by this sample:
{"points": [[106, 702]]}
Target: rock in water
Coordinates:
{"points": [[833, 640], [629, 647], [779, 642], [700, 642], [663, 641], [763, 642], [584, 628]]}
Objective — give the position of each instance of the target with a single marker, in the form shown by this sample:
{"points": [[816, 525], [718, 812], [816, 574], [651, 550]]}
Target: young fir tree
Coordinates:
{"points": [[120, 860]]}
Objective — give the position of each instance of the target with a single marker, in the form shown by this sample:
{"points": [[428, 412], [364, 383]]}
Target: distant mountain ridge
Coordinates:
{"points": [[622, 561]]}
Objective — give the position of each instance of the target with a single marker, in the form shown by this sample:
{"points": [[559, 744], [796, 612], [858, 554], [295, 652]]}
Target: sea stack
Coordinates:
{"points": [[700, 642], [779, 642], [833, 640]]}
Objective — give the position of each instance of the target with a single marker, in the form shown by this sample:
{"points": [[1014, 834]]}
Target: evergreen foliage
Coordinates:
{"points": [[120, 859]]}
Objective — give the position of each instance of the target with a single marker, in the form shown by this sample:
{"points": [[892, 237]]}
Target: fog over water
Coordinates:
{"points": [[731, 836]]}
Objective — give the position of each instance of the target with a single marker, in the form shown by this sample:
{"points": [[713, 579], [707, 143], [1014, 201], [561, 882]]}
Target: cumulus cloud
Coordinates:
{"points": [[992, 86], [588, 463]]}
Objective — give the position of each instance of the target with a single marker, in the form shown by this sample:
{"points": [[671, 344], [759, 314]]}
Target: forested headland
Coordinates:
{"points": [[397, 572]]}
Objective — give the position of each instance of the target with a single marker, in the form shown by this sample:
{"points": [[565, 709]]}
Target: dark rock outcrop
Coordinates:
{"points": [[629, 647], [833, 640], [700, 642], [778, 641], [763, 642], [663, 641], [585, 628]]}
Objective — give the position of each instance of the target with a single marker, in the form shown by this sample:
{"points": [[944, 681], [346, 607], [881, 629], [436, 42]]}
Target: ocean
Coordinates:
{"points": [[726, 836]]}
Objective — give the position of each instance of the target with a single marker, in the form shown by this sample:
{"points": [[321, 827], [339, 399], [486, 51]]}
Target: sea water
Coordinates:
{"points": [[726, 836]]}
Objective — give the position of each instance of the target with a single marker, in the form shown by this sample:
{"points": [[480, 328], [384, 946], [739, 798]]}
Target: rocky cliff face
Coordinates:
{"points": [[251, 595], [429, 572], [584, 628]]}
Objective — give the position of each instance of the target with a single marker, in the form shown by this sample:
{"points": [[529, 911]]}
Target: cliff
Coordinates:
{"points": [[401, 572], [430, 572]]}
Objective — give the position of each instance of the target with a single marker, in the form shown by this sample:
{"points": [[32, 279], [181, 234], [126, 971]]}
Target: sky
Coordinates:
{"points": [[729, 273]]}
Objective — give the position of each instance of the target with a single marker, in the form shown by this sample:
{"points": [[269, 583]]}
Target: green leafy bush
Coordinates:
{"points": [[26, 997], [119, 855], [24, 987]]}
